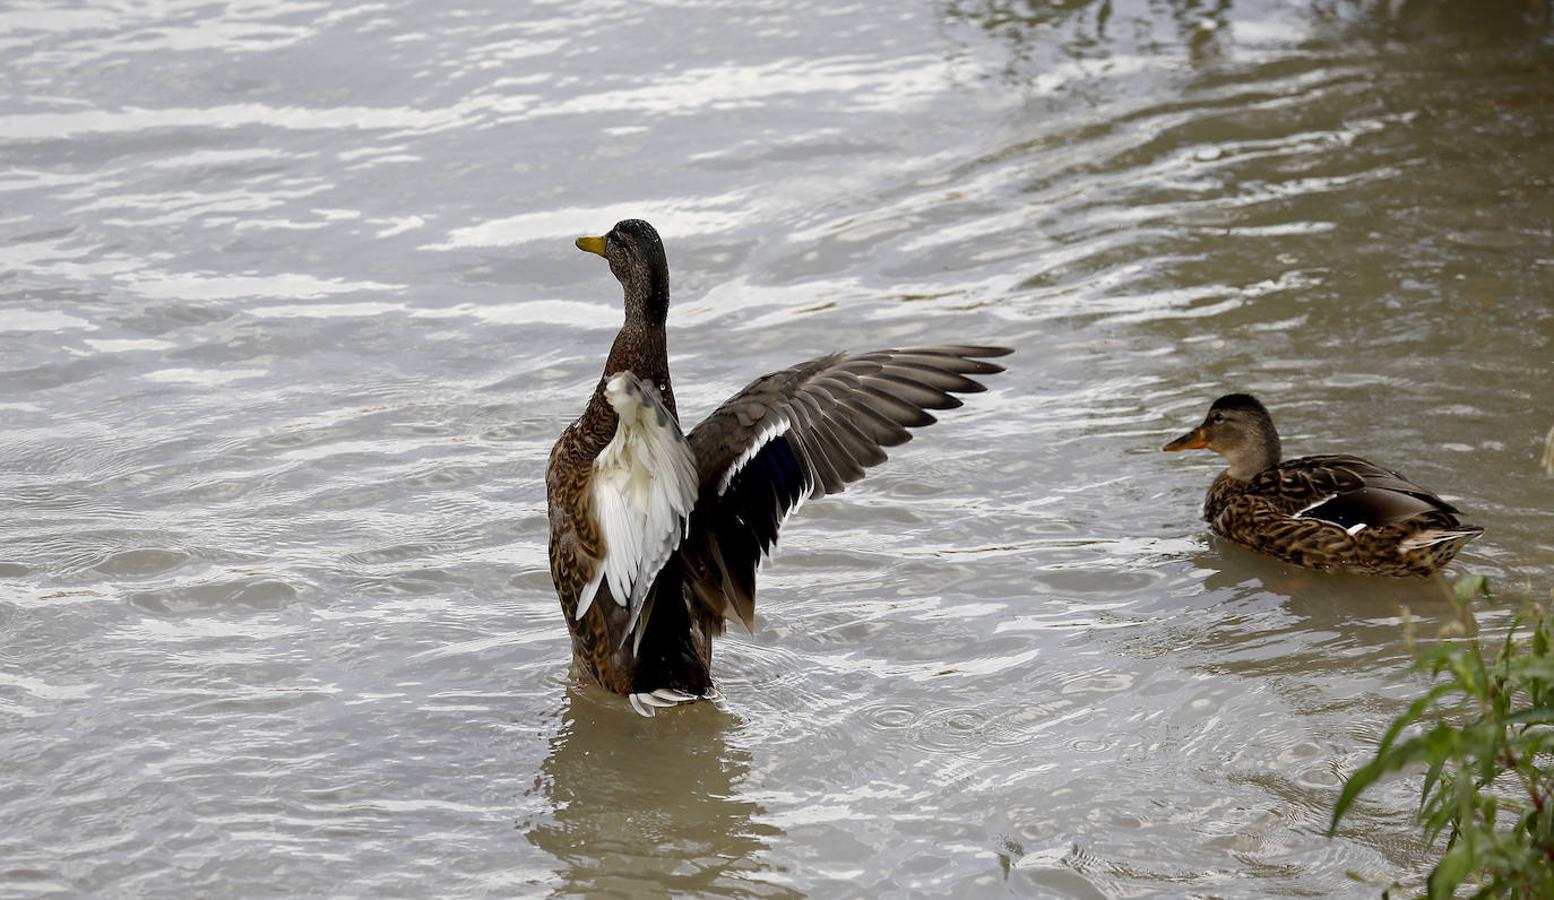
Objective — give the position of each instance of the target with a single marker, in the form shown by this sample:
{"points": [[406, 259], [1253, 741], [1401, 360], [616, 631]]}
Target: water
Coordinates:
{"points": [[289, 316]]}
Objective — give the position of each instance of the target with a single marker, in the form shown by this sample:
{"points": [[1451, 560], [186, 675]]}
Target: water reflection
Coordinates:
{"points": [[1091, 30], [1466, 22], [651, 805], [1054, 46], [336, 368], [1324, 623]]}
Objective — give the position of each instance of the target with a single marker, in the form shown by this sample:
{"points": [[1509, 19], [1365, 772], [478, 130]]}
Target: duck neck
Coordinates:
{"points": [[1244, 468], [642, 349], [1261, 450], [647, 296]]}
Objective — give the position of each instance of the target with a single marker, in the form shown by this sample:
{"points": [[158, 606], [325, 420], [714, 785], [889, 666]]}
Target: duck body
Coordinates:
{"points": [[595, 467], [1335, 513], [1338, 513], [656, 533]]}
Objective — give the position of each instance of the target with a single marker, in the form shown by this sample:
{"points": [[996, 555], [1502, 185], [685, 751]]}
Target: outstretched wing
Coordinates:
{"points": [[805, 432]]}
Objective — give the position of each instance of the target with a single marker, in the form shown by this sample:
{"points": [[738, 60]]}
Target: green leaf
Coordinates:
{"points": [[1450, 871], [1430, 778], [1432, 746], [1508, 646], [1484, 732], [1535, 743], [1470, 586], [1469, 669], [1438, 813], [1532, 668], [1543, 715]]}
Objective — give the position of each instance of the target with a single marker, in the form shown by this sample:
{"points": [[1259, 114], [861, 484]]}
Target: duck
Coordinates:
{"points": [[1333, 513], [656, 532]]}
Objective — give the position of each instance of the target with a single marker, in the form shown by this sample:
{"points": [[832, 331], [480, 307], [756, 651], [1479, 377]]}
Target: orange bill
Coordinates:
{"points": [[1192, 440]]}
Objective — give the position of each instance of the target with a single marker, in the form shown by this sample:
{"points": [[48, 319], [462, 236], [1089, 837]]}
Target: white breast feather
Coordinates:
{"points": [[644, 486]]}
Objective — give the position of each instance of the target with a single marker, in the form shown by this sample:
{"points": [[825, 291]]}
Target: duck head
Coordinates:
{"points": [[636, 257], [1238, 428]]}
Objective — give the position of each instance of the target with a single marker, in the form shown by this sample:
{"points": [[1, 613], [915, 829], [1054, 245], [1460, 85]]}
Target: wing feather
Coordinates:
{"points": [[898, 410], [643, 489], [803, 432], [1345, 490]]}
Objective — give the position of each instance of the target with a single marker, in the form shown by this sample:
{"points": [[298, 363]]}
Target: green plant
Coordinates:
{"points": [[1484, 733]]}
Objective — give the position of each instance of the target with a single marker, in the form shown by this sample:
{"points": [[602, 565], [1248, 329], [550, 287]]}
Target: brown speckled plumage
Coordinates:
{"points": [[800, 432], [1332, 513]]}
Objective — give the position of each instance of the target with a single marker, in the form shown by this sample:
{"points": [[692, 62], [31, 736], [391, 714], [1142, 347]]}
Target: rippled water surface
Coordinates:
{"points": [[289, 316]]}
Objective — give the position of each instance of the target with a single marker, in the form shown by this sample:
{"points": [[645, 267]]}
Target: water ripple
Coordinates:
{"points": [[289, 317]]}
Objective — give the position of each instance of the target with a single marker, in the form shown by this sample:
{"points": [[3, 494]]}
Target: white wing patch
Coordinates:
{"points": [[1352, 530], [778, 427], [1301, 513], [767, 435], [644, 486]]}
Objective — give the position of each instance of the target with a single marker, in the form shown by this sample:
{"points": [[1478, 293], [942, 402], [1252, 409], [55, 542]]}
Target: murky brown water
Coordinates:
{"points": [[289, 316]]}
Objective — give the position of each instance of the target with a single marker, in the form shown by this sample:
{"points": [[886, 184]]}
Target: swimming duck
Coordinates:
{"points": [[655, 533], [1335, 513]]}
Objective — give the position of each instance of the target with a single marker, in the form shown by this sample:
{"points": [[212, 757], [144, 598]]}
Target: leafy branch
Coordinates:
{"points": [[1484, 733]]}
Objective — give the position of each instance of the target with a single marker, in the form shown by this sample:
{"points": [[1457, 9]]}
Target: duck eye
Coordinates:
{"points": [[1217, 418]]}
